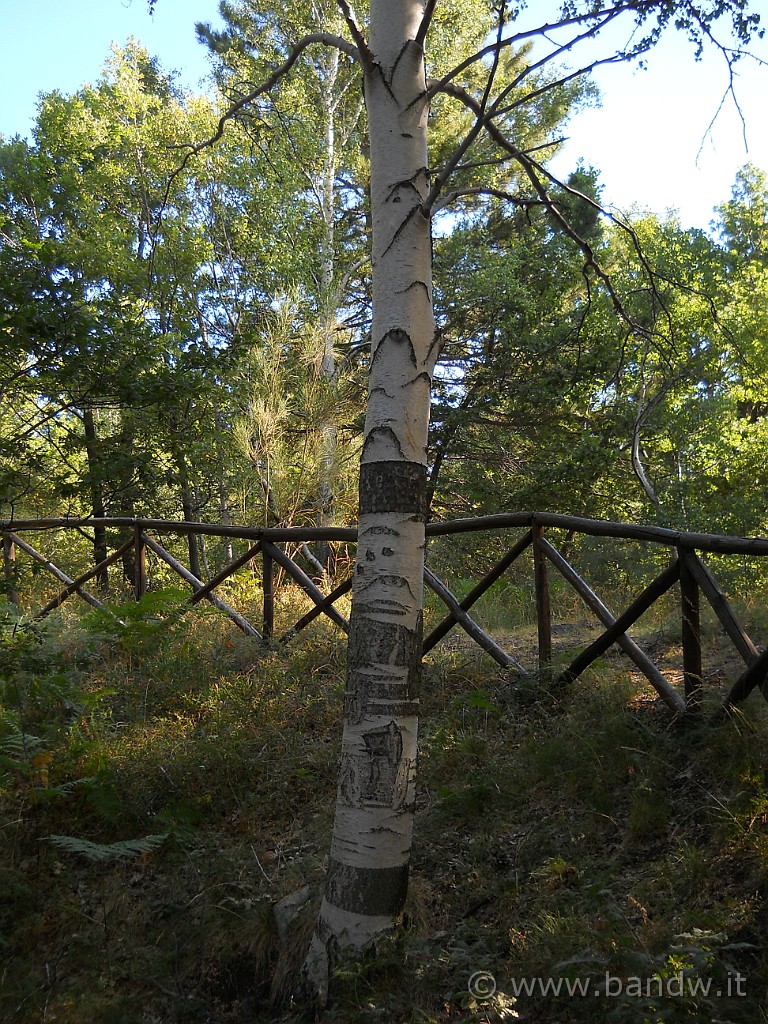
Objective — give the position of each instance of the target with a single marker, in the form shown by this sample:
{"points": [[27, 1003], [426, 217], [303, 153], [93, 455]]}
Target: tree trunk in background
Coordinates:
{"points": [[328, 432], [127, 493], [97, 495], [9, 571], [370, 850], [226, 519], [189, 508], [189, 514]]}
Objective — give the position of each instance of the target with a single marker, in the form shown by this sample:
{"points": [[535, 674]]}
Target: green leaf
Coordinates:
{"points": [[100, 853]]}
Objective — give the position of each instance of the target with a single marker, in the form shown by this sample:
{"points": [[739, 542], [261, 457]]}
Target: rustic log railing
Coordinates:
{"points": [[268, 544]]}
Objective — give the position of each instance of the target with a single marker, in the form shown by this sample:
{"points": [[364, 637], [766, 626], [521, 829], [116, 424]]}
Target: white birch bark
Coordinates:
{"points": [[368, 868]]}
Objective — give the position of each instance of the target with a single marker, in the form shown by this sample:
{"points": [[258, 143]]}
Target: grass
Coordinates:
{"points": [[583, 838]]}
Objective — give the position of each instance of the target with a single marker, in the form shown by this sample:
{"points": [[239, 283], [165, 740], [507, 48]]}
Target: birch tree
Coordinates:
{"points": [[311, 127], [370, 849]]}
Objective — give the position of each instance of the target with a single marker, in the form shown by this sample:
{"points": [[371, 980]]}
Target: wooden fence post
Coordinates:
{"points": [[9, 569], [691, 632], [140, 563], [543, 606], [268, 586]]}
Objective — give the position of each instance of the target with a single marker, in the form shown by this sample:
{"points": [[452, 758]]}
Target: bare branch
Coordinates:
{"points": [[491, 77], [496, 193], [426, 21], [606, 17], [532, 170], [556, 83], [365, 56], [731, 57], [325, 38], [485, 114]]}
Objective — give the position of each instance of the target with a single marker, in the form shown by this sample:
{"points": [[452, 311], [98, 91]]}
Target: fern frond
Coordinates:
{"points": [[99, 853], [21, 746]]}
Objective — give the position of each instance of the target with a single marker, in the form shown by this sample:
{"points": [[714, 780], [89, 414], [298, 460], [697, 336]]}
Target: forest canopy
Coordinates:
{"points": [[194, 344]]}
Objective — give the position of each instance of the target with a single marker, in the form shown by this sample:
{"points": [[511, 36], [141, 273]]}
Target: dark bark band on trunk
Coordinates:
{"points": [[370, 891], [393, 487]]}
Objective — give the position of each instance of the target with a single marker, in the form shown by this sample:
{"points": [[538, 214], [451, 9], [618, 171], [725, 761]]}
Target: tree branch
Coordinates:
{"points": [[497, 193], [426, 21], [364, 54], [508, 41], [532, 170], [326, 38]]}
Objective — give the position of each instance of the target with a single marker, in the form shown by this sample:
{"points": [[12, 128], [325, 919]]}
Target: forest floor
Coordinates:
{"points": [[166, 793]]}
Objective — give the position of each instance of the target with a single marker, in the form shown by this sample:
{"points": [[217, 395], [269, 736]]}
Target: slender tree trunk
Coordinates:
{"points": [[189, 514], [188, 504], [127, 492], [9, 570], [328, 432], [226, 519], [97, 496], [370, 850]]}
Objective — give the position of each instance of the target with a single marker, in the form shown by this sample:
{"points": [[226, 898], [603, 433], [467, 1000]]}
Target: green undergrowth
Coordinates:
{"points": [[166, 783]]}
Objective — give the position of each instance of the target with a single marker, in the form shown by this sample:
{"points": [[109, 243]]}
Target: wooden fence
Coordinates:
{"points": [[685, 569]]}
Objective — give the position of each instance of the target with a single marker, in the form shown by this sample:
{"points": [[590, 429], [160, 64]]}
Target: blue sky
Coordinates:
{"points": [[61, 44], [646, 139]]}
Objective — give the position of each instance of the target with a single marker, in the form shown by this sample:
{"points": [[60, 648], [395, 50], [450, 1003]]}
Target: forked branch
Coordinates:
{"points": [[426, 21], [323, 38], [353, 24]]}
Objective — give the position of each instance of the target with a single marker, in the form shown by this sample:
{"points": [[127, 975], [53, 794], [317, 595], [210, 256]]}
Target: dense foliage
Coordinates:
{"points": [[187, 339]]}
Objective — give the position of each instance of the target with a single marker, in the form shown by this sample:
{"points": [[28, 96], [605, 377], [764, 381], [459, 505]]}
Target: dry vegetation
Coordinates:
{"points": [[573, 836]]}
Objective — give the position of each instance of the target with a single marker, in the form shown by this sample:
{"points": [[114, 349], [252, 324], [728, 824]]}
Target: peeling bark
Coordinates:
{"points": [[370, 850]]}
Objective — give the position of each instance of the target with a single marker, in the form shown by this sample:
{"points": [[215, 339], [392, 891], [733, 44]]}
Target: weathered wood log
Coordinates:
{"points": [[543, 604], [447, 624], [297, 534], [722, 608], [690, 631], [502, 520], [478, 634], [640, 605], [305, 583], [225, 573], [287, 535], [197, 584], [756, 675], [62, 576], [607, 528], [318, 609], [663, 687]]}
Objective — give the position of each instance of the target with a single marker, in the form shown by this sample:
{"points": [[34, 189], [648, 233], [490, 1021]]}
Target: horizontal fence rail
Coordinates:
{"points": [[268, 546]]}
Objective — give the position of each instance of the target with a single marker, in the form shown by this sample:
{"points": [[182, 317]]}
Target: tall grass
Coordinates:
{"points": [[575, 835]]}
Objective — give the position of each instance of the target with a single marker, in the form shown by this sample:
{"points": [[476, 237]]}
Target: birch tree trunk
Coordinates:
{"points": [[370, 850]]}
